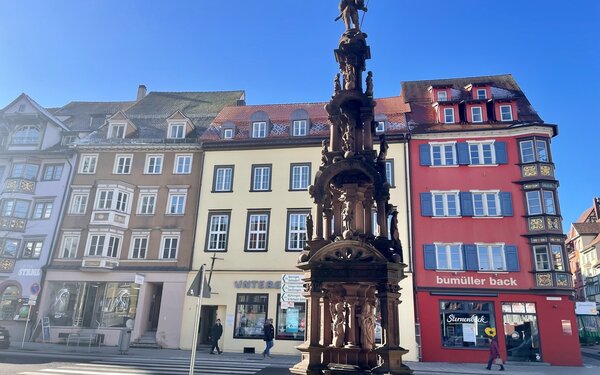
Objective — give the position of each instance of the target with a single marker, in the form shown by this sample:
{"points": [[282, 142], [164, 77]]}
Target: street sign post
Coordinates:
{"points": [[292, 287], [198, 289]]}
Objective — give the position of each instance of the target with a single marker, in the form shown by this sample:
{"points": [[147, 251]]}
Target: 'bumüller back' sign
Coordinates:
{"points": [[476, 281]]}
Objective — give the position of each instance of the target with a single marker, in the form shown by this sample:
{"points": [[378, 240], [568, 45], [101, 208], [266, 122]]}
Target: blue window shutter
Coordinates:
{"points": [[462, 149], [429, 256], [471, 260], [506, 203], [501, 155], [426, 204], [512, 258], [466, 204], [424, 154]]}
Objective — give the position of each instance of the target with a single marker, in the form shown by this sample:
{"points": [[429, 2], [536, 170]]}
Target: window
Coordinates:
{"points": [[486, 204], [78, 204], [177, 131], [88, 164], [380, 127], [449, 257], [481, 94], [223, 178], [228, 133], [476, 114], [26, 135], [26, 171], [291, 322], [542, 260], [389, 172], [69, 245], [300, 176], [113, 247], [14, 208], [123, 164], [536, 206], [463, 323], [218, 231], [32, 249], [296, 234], [445, 204], [449, 115], [183, 164], [534, 150], [104, 200], [299, 128], [154, 164], [139, 246], [53, 172], [257, 231], [116, 131], [122, 200], [107, 245], [259, 129], [169, 247], [443, 154], [261, 178], [8, 248], [176, 203], [42, 210], [506, 113], [96, 245], [146, 204], [491, 258], [442, 96], [557, 257], [250, 315], [482, 153]]}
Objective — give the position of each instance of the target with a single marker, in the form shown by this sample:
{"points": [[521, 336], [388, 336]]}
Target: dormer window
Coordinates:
{"points": [[259, 129], [177, 130], [299, 128], [116, 131], [506, 113], [481, 94], [442, 96], [449, 115], [227, 133], [26, 135], [476, 115], [380, 127]]}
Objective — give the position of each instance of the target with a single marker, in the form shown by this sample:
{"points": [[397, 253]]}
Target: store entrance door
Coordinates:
{"points": [[153, 317], [208, 316], [521, 331]]}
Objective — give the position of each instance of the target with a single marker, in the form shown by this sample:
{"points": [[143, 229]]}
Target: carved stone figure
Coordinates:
{"points": [[339, 324], [348, 136], [348, 216], [383, 148], [367, 327], [394, 227], [337, 86], [369, 84], [349, 12], [349, 77], [309, 226], [324, 152]]}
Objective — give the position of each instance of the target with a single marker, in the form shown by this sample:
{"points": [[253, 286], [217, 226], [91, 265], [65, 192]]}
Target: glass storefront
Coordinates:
{"points": [[92, 304], [291, 321], [250, 315], [521, 330], [463, 323]]}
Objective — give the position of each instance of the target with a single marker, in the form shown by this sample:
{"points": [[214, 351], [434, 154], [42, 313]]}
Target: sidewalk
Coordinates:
{"points": [[286, 361]]}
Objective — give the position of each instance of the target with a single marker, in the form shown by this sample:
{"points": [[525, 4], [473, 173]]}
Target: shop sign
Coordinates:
{"points": [[257, 284], [586, 308], [286, 305], [138, 279], [29, 272], [452, 318], [475, 281]]}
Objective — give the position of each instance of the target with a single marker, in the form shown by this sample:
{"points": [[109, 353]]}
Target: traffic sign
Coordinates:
{"points": [[292, 297], [292, 288], [292, 279], [34, 288]]}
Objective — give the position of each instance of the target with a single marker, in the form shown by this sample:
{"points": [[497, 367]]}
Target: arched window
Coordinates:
{"points": [[8, 302], [26, 135]]}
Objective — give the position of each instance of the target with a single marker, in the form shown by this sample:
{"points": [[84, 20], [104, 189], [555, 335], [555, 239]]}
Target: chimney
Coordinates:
{"points": [[141, 92]]}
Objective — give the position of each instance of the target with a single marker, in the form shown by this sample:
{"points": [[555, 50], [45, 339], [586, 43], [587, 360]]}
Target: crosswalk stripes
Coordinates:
{"points": [[151, 366]]}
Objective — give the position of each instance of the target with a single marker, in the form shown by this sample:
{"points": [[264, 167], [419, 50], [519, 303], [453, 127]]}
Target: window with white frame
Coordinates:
{"points": [[88, 164], [380, 127], [491, 257], [228, 133], [68, 248], [259, 129], [113, 199], [78, 203], [25, 170], [481, 94], [103, 244], [449, 256], [443, 153], [261, 177], [96, 245], [183, 164], [446, 203], [442, 96], [542, 259], [389, 172], [42, 210], [449, 115], [14, 208], [52, 172], [26, 135], [534, 150], [32, 249], [223, 178], [146, 204], [113, 247], [299, 128], [558, 260], [154, 164], [8, 247], [123, 164], [218, 231], [122, 201], [176, 202], [258, 226], [177, 130], [296, 236], [482, 153], [169, 247], [104, 200], [139, 246], [506, 113], [116, 131], [486, 203], [476, 114], [299, 176], [541, 202]]}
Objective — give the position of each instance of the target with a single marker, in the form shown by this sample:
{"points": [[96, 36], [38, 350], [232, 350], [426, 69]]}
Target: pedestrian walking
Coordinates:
{"points": [[494, 357], [215, 334], [269, 335]]}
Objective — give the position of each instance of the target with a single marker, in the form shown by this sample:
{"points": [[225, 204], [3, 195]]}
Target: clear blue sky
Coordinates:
{"points": [[281, 51]]}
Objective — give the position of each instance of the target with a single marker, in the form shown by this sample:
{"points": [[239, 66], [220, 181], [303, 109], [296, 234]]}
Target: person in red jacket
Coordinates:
{"points": [[494, 357]]}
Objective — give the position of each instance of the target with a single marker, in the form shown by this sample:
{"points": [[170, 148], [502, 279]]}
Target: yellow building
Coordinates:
{"points": [[258, 163]]}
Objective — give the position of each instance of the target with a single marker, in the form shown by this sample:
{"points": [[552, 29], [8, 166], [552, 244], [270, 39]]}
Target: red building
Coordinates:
{"points": [[488, 240]]}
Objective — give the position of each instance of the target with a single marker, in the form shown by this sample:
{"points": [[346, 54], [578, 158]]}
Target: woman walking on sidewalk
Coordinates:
{"points": [[494, 357]]}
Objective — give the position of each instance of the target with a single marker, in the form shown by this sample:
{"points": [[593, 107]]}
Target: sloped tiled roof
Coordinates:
{"points": [[89, 116], [587, 228]]}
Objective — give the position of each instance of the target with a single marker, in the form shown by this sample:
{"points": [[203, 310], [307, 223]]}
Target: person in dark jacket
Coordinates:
{"points": [[269, 335], [215, 334], [494, 354]]}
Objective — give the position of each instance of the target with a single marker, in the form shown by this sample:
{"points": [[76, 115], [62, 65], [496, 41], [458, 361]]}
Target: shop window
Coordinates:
{"points": [[250, 315], [522, 337], [261, 178], [9, 302], [218, 231], [291, 321], [223, 178], [296, 231], [463, 323], [299, 176]]}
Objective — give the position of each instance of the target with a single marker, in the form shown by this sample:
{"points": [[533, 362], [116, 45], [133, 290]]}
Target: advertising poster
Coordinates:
{"points": [[291, 320], [469, 334]]}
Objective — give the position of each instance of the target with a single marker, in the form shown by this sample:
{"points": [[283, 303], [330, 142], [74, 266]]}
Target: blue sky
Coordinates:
{"points": [[281, 51]]}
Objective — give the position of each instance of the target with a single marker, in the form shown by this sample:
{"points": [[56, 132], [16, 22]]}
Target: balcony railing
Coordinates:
{"points": [[99, 263], [544, 223], [106, 217], [15, 224], [551, 279], [19, 185], [537, 170]]}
